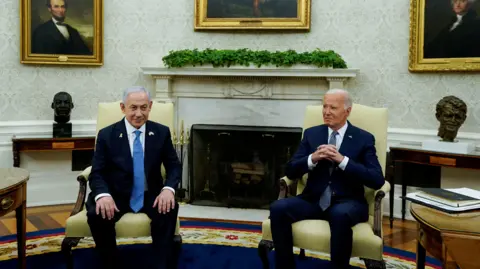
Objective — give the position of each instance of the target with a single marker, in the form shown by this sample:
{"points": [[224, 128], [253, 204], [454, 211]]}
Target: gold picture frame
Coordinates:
{"points": [[438, 41], [66, 32], [260, 15]]}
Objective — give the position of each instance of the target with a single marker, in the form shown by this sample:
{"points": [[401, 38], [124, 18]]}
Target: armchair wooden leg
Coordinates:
{"points": [[67, 244], [374, 264], [264, 247], [301, 256], [177, 249]]}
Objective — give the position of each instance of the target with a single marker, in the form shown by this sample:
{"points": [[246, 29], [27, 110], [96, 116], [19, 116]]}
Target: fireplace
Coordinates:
{"points": [[238, 166], [241, 96]]}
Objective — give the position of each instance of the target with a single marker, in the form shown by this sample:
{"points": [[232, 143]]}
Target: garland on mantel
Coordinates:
{"points": [[245, 57]]}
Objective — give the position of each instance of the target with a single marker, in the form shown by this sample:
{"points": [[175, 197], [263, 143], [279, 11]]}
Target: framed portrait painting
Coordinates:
{"points": [[444, 35], [252, 14], [62, 32]]}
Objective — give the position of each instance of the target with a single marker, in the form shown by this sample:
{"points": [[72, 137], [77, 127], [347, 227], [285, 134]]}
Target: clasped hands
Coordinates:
{"points": [[107, 207], [327, 152]]}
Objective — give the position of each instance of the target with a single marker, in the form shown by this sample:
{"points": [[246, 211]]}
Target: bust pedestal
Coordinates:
{"points": [[459, 147], [62, 129]]}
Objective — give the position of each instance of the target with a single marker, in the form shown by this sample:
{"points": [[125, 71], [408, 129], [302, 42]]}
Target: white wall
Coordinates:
{"points": [[370, 35]]}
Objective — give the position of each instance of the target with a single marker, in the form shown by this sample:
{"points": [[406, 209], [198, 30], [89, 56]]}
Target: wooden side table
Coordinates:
{"points": [[13, 196], [453, 239], [49, 144], [415, 154]]}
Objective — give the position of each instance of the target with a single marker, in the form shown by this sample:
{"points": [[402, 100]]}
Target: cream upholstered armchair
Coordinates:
{"points": [[315, 234], [77, 227]]}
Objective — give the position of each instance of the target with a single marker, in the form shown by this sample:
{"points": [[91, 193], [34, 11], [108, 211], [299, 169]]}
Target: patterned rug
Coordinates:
{"points": [[238, 240]]}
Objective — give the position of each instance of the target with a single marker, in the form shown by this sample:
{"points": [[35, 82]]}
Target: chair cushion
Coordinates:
{"points": [[315, 235], [130, 225]]}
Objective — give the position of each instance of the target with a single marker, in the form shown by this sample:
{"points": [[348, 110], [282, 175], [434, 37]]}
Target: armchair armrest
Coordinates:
{"points": [[378, 214], [85, 174], [286, 187], [82, 179]]}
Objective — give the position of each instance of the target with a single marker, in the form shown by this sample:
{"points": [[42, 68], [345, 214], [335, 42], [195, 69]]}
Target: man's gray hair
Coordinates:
{"points": [[348, 99], [135, 89]]}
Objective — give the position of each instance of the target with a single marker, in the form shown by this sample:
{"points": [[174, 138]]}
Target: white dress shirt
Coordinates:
{"points": [[62, 28], [131, 138], [339, 136], [459, 20]]}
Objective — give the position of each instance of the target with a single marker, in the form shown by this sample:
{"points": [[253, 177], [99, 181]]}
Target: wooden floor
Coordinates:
{"points": [[402, 236]]}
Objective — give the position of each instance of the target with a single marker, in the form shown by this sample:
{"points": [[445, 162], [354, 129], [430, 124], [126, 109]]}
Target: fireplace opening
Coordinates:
{"points": [[238, 166]]}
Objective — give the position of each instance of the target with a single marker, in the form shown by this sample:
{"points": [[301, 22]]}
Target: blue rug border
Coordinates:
{"points": [[412, 255], [32, 234], [222, 224], [209, 223]]}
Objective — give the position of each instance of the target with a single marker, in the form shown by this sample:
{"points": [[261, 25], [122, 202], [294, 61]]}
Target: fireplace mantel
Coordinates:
{"points": [[265, 79]]}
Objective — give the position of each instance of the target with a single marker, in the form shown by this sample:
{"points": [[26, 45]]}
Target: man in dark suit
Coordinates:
{"points": [[55, 36], [340, 160], [126, 177], [461, 36]]}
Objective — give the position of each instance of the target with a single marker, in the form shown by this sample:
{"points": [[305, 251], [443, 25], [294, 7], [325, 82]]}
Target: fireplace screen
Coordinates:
{"points": [[238, 166]]}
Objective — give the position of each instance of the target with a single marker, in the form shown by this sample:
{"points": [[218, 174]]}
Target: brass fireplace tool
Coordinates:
{"points": [[180, 145], [206, 193]]}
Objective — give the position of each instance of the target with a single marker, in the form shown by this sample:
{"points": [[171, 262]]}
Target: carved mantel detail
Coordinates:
{"points": [[248, 82]]}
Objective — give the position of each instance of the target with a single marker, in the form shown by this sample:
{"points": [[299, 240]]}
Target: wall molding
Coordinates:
{"points": [[410, 136], [166, 92], [40, 129], [43, 128]]}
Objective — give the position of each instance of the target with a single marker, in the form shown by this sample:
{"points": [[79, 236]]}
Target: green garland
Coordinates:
{"points": [[245, 57]]}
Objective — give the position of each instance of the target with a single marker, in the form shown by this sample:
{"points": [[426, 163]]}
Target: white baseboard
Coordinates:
{"points": [[47, 188], [397, 203], [51, 181]]}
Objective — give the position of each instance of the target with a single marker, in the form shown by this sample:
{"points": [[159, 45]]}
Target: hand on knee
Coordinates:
{"points": [[165, 202]]}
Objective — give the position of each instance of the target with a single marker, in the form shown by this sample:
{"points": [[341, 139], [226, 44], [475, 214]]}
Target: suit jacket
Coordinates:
{"points": [[363, 168], [47, 39], [112, 166], [463, 41]]}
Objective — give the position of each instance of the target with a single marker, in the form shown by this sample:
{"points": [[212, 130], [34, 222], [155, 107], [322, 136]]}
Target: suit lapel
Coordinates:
{"points": [[148, 157], [347, 141], [122, 135], [58, 35], [321, 138]]}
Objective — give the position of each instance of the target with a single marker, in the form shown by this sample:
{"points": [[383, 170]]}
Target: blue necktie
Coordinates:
{"points": [[136, 200], [326, 197]]}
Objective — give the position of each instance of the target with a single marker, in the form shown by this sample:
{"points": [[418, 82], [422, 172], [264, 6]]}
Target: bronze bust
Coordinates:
{"points": [[451, 112], [62, 106]]}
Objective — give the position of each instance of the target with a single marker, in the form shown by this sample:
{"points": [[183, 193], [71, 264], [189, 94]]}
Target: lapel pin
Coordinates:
{"points": [[150, 133], [121, 135], [349, 136]]}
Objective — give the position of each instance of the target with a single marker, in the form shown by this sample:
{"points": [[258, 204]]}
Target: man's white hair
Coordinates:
{"points": [[348, 99], [135, 89]]}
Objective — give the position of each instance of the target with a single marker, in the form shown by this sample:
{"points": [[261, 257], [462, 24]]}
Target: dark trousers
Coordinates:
{"points": [[342, 216], [162, 232]]}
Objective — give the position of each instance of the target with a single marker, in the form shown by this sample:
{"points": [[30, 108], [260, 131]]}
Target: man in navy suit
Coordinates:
{"points": [[340, 160], [126, 177], [55, 36]]}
